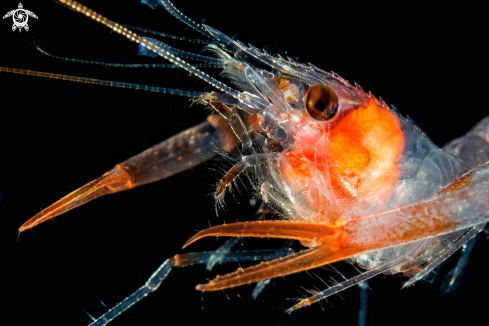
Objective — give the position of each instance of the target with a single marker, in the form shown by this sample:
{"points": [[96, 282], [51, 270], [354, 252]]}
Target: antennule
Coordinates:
{"points": [[130, 65], [170, 8], [165, 53]]}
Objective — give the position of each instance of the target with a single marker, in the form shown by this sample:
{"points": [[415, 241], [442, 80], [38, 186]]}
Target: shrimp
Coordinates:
{"points": [[139, 252]]}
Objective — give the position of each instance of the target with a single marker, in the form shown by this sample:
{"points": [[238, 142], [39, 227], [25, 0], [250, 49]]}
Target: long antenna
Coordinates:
{"points": [[175, 37], [111, 83], [150, 45], [212, 65]]}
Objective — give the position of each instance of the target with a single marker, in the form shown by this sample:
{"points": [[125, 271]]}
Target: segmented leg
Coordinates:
{"points": [[220, 253], [235, 122], [246, 162], [348, 283], [448, 250], [184, 260], [454, 278], [362, 311], [305, 260]]}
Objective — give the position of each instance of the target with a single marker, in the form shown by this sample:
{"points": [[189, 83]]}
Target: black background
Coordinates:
{"points": [[427, 59]]}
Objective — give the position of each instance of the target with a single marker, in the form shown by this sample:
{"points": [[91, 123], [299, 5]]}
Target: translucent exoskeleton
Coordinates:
{"points": [[98, 131]]}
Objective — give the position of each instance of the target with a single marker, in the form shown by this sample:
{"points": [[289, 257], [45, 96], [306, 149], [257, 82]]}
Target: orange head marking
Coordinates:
{"points": [[356, 155], [364, 149]]}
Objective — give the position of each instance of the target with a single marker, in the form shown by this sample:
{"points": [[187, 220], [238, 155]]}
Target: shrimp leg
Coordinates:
{"points": [[184, 260], [174, 155]]}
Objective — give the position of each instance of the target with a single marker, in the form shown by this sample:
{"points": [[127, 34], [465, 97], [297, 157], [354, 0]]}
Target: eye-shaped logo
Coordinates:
{"points": [[20, 17]]}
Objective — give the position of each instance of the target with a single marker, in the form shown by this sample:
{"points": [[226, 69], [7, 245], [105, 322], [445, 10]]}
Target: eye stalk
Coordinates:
{"points": [[321, 102]]}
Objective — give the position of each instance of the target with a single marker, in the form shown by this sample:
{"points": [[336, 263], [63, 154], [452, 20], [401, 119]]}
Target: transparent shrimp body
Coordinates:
{"points": [[352, 178], [366, 159], [368, 173]]}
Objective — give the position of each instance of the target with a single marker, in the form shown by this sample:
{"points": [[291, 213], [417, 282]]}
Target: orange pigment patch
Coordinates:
{"points": [[253, 122], [358, 155], [363, 152], [289, 91]]}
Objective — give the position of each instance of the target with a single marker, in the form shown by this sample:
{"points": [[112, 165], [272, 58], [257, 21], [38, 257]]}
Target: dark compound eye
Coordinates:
{"points": [[321, 102]]}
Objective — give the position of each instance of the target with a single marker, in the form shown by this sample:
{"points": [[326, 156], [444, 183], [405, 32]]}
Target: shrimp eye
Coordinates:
{"points": [[321, 102]]}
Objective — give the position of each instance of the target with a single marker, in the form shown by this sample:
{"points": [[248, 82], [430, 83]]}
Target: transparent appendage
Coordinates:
{"points": [[185, 260]]}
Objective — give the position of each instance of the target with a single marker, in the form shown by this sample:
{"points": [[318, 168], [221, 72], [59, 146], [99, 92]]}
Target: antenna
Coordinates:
{"points": [[111, 83], [148, 43]]}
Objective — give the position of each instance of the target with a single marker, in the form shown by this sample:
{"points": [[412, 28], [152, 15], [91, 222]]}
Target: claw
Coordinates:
{"points": [[344, 239], [297, 230], [324, 237], [291, 264], [117, 179]]}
